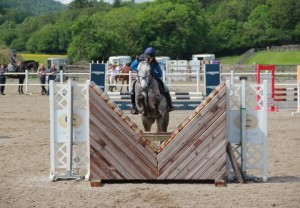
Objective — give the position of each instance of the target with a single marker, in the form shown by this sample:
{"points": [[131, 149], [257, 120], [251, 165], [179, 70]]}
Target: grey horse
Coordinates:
{"points": [[150, 102]]}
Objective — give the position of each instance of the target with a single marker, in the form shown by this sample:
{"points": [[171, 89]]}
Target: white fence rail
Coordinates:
{"points": [[195, 81]]}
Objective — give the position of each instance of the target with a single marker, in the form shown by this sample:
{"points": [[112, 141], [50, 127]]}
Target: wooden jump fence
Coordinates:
{"points": [[196, 150]]}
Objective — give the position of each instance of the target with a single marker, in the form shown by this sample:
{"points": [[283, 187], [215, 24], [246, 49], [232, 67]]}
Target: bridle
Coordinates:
{"points": [[148, 80]]}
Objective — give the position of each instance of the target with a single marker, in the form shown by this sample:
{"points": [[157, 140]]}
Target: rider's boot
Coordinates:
{"points": [[134, 110], [169, 101]]}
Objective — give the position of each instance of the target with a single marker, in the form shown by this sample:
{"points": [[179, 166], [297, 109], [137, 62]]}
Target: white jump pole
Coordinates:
{"points": [[130, 81], [298, 92], [61, 77], [26, 82], [198, 80], [70, 130], [52, 136]]}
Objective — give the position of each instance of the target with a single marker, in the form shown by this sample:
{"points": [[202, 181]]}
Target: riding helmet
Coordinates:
{"points": [[150, 51]]}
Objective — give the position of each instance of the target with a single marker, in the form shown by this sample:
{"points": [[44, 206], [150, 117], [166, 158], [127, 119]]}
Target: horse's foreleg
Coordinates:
{"points": [[163, 122], [156, 105], [128, 84], [145, 110], [115, 82], [122, 85], [147, 123], [21, 81]]}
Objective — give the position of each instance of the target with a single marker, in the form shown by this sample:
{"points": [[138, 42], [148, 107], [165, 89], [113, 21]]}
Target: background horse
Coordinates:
{"points": [[124, 76], [150, 102], [31, 64]]}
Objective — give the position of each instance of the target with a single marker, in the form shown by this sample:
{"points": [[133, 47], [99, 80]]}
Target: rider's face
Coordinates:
{"points": [[150, 59]]}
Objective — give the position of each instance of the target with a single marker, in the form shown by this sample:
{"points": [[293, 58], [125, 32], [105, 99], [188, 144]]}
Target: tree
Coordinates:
{"points": [[174, 29], [259, 27]]}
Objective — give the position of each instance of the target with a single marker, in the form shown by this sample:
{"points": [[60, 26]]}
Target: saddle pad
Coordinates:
{"points": [[10, 68]]}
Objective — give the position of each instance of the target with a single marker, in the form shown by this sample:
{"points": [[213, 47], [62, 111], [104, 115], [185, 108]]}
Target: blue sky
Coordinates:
{"points": [[68, 1]]}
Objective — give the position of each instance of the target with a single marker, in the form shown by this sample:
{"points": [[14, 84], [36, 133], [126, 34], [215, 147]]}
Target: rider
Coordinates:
{"points": [[156, 72], [13, 59]]}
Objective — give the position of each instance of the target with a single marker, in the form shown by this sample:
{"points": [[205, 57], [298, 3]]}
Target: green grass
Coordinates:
{"points": [[229, 59], [279, 58], [41, 58]]}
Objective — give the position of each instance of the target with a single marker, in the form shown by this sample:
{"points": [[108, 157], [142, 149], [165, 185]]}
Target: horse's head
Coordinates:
{"points": [[144, 75]]}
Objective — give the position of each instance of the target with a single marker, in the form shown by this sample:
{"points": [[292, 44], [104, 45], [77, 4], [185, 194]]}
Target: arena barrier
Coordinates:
{"points": [[92, 137], [298, 92]]}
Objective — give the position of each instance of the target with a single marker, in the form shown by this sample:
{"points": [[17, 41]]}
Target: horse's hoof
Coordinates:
{"points": [[134, 111]]}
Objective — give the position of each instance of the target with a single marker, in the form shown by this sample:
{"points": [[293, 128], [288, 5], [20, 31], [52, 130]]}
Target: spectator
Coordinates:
{"points": [[112, 71], [42, 75], [52, 70], [2, 79]]}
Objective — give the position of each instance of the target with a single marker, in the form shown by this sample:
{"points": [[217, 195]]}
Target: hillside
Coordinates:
{"points": [[31, 7]]}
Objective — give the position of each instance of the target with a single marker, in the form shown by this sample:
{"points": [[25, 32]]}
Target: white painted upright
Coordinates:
{"points": [[247, 127], [69, 131]]}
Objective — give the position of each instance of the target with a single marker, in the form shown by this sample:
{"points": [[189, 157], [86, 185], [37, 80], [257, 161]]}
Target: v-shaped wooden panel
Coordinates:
{"points": [[196, 149]]}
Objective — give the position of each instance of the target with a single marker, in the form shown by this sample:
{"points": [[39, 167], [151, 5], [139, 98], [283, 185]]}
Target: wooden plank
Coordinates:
{"points": [[212, 156], [208, 136], [116, 162], [187, 136], [122, 140], [100, 167], [215, 166], [131, 149], [129, 123], [117, 130], [205, 106], [220, 169], [221, 174], [198, 161], [218, 92], [98, 171], [198, 137], [173, 140], [95, 101], [129, 155], [120, 156], [196, 152], [186, 162], [112, 128], [235, 166]]}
